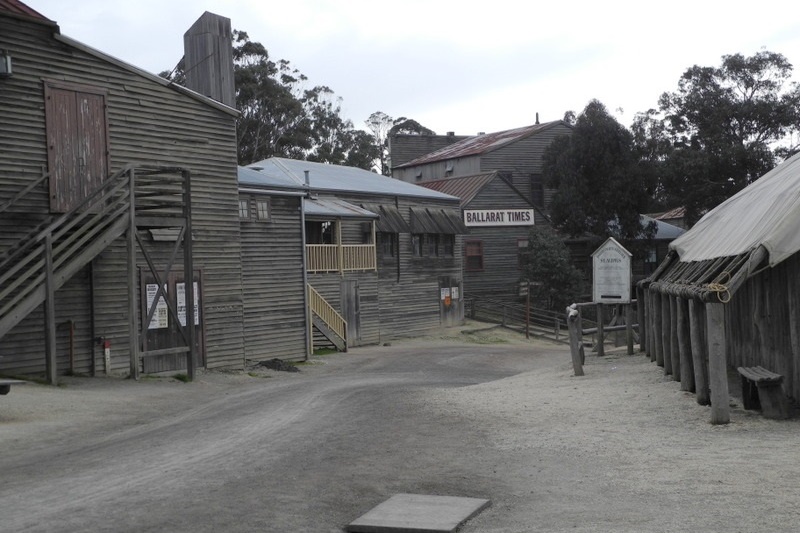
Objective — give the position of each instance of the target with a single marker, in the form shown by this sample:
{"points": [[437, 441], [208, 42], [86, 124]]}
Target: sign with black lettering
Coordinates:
{"points": [[611, 280], [498, 217]]}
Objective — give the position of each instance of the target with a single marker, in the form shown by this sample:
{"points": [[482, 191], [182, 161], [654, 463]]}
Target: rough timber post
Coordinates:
{"points": [[666, 334], [673, 338], [573, 323], [651, 325], [685, 346], [640, 306], [658, 344], [717, 363], [629, 327], [601, 337], [697, 325]]}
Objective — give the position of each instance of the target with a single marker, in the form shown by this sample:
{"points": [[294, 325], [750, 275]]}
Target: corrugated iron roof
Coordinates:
{"points": [[463, 187], [15, 7], [334, 207], [331, 178], [391, 221], [678, 212], [480, 144]]}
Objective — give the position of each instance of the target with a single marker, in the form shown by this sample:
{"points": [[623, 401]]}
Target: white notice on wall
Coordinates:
{"points": [[454, 292], [182, 303], [159, 319]]}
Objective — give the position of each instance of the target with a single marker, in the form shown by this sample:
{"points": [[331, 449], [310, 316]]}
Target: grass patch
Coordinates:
{"points": [[257, 375], [325, 351], [181, 377]]}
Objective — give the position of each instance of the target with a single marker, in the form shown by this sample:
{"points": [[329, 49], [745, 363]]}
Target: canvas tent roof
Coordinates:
{"points": [[767, 213], [754, 229]]}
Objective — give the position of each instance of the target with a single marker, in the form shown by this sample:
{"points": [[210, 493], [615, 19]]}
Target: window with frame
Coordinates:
{"points": [[473, 256], [244, 208], [447, 245], [263, 209], [387, 245], [417, 244], [431, 244], [522, 252]]}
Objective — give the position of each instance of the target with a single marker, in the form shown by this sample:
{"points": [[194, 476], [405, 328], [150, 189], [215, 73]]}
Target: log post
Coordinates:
{"points": [[640, 307], [658, 343], [697, 325], [651, 317], [573, 322], [673, 338], [666, 334], [629, 327], [685, 346], [717, 363], [601, 349]]}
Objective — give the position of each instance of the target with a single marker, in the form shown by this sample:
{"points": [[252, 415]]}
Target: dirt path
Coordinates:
{"points": [[482, 414]]}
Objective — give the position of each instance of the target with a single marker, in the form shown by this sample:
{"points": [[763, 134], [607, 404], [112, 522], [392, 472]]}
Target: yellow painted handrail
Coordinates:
{"points": [[325, 311], [325, 257]]}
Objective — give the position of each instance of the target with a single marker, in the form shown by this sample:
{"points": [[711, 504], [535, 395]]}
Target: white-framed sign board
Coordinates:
{"points": [[611, 268]]}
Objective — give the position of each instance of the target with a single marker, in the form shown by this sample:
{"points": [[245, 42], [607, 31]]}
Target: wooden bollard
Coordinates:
{"points": [[573, 323]]}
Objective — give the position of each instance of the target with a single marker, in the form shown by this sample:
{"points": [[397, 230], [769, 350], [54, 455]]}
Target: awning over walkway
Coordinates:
{"points": [[390, 221], [435, 220]]}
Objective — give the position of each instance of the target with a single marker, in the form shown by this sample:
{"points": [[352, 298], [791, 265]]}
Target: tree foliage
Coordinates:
{"points": [[282, 117], [382, 126], [721, 130], [555, 282], [597, 177]]}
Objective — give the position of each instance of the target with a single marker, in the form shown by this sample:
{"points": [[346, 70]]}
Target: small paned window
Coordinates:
{"points": [[473, 253], [522, 252], [387, 245], [262, 210], [431, 244], [537, 189], [417, 243], [448, 245], [244, 208]]}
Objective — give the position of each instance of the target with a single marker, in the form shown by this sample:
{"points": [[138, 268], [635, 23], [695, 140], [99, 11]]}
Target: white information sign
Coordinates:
{"points": [[159, 319], [611, 282], [498, 217]]}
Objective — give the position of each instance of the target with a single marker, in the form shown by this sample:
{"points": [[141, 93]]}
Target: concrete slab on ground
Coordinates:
{"points": [[418, 513]]}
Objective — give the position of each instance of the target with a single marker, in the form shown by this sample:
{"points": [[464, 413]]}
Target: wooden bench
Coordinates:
{"points": [[761, 389], [5, 385]]}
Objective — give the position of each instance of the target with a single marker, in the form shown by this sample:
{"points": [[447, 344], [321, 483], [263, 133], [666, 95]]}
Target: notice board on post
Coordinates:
{"points": [[611, 269]]}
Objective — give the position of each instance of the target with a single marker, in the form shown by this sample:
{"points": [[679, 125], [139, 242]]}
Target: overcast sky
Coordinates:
{"points": [[460, 66]]}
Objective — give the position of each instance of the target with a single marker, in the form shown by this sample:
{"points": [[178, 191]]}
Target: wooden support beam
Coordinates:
{"points": [[717, 363], [188, 278], [651, 338], [133, 315], [685, 346], [50, 313], [697, 326], [666, 334], [675, 355]]}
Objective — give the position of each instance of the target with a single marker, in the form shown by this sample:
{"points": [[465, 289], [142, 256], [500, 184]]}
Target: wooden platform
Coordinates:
{"points": [[417, 512]]}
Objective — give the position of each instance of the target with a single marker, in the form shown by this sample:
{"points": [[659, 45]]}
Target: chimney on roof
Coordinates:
{"points": [[481, 133], [537, 118], [451, 133], [208, 58]]}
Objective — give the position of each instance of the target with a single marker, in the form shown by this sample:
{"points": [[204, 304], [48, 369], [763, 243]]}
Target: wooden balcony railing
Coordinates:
{"points": [[344, 258]]}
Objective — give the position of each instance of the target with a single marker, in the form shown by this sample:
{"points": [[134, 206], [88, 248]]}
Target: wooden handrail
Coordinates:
{"points": [[325, 311], [354, 257]]}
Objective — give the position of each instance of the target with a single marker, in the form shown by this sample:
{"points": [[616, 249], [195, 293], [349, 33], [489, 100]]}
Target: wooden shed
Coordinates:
{"points": [[113, 182], [728, 296], [378, 258]]}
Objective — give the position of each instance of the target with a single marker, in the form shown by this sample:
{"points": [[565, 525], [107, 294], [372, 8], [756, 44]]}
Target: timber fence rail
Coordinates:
{"points": [[539, 322]]}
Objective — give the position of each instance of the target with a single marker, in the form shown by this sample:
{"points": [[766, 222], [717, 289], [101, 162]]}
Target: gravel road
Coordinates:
{"points": [[474, 413]]}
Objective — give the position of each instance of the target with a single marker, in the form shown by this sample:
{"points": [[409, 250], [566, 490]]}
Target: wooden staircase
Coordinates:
{"points": [[326, 320], [37, 265]]}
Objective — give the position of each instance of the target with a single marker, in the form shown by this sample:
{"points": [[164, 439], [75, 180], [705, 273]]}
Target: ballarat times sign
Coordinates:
{"points": [[498, 217]]}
